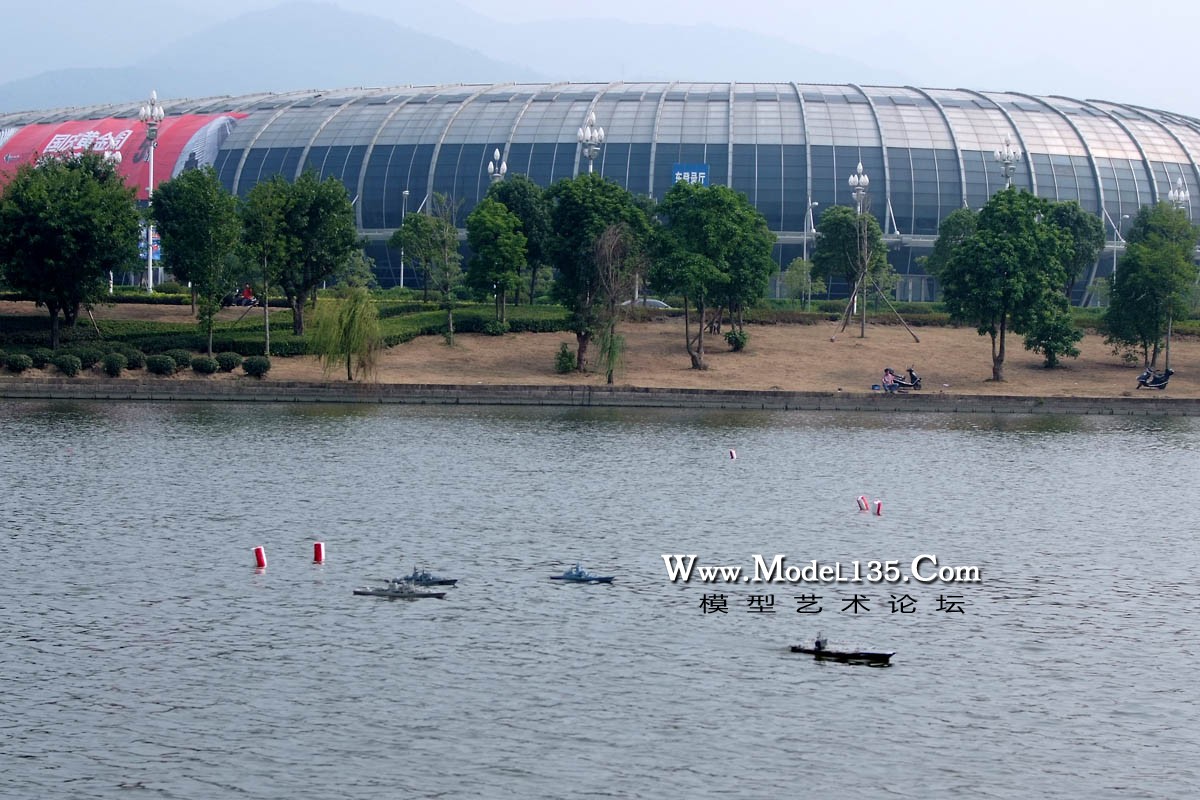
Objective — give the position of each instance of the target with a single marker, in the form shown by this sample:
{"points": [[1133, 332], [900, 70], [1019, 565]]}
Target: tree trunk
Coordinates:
{"points": [[210, 334], [450, 326], [349, 361], [193, 300], [298, 314], [266, 312], [581, 340], [697, 352], [998, 354], [54, 329], [503, 306]]}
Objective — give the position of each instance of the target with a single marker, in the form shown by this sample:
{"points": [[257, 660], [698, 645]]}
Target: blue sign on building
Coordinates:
{"points": [[691, 173]]}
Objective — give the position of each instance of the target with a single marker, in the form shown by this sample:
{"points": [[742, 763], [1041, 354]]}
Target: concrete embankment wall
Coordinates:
{"points": [[267, 391]]}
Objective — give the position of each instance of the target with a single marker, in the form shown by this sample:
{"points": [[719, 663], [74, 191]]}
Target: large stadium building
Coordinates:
{"points": [[790, 147]]}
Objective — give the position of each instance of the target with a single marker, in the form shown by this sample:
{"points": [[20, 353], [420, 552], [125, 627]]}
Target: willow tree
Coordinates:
{"points": [[346, 330]]}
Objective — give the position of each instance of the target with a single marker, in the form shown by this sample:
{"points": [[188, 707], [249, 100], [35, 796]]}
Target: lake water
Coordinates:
{"points": [[143, 653]]}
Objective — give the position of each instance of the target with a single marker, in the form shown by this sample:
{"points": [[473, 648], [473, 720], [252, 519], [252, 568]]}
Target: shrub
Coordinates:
{"points": [[171, 287], [18, 362], [256, 366], [228, 361], [564, 361], [495, 327], [134, 358], [160, 365], [67, 364], [181, 358], [205, 365], [41, 357], [88, 356], [113, 364], [737, 339]]}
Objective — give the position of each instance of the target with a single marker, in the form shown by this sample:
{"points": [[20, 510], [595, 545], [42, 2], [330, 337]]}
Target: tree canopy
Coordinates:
{"points": [[1009, 274], [498, 251], [714, 248], [346, 329], [851, 245], [524, 198], [1152, 280], [320, 232], [265, 238], [431, 242], [581, 210], [65, 223], [200, 229], [1086, 238]]}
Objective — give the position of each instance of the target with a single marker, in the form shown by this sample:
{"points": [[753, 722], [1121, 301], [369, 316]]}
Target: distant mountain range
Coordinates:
{"points": [[309, 45]]}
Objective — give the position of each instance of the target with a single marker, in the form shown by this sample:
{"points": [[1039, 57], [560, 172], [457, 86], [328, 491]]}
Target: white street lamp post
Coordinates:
{"points": [[112, 157], [859, 182], [1179, 194], [152, 115], [591, 136], [1008, 156], [403, 214], [808, 226], [497, 169]]}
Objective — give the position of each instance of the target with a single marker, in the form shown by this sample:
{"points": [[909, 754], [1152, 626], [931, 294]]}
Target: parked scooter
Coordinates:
{"points": [[1150, 379], [913, 382]]}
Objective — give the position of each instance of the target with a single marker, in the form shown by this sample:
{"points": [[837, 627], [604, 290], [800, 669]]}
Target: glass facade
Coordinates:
{"points": [[785, 145]]}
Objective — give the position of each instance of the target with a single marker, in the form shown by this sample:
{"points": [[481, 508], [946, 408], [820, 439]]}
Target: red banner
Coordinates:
{"points": [[187, 141]]}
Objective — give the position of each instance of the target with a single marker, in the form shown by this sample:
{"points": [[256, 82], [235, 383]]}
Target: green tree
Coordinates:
{"points": [[1086, 238], [200, 229], [64, 224], [1009, 273], [346, 330], [416, 238], [713, 248], [527, 201], [1152, 281], [801, 281], [498, 247], [265, 238], [431, 242], [851, 245], [618, 257], [958, 226], [581, 210], [321, 234]]}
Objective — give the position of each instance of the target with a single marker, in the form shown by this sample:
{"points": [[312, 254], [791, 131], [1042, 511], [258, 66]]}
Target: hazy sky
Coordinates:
{"points": [[1139, 53], [1131, 52]]}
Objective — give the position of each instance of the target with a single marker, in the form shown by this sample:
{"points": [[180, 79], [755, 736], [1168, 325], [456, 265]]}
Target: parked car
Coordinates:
{"points": [[646, 302]]}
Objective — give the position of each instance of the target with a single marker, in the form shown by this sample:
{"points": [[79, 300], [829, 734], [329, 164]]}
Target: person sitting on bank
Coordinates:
{"points": [[889, 380], [247, 296]]}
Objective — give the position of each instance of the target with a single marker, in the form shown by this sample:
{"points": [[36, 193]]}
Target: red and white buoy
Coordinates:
{"points": [[879, 508], [260, 557], [318, 552], [863, 505], [732, 455]]}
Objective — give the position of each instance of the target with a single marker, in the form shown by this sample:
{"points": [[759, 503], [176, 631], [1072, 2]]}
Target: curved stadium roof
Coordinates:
{"points": [[785, 145]]}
